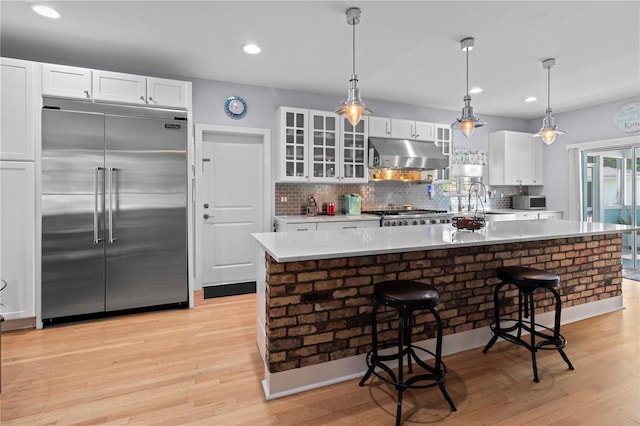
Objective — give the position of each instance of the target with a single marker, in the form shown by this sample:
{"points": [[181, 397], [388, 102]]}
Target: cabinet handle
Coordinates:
{"points": [[150, 99], [86, 92], [349, 227], [142, 97]]}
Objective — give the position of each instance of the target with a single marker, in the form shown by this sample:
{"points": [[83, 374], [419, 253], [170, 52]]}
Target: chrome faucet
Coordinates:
{"points": [[477, 194]]}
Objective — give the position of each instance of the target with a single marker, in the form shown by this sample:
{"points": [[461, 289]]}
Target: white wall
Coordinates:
{"points": [[209, 97], [583, 125]]}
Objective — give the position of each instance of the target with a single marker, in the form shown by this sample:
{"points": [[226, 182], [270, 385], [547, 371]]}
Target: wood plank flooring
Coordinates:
{"points": [[201, 367]]}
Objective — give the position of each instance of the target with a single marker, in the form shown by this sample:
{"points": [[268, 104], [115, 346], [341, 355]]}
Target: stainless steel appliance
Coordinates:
{"points": [[529, 202], [411, 217], [114, 216], [405, 154]]}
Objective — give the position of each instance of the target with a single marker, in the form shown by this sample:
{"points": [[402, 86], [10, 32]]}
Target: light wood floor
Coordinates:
{"points": [[201, 366]]}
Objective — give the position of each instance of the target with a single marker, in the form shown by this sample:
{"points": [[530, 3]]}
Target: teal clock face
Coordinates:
{"points": [[235, 107]]}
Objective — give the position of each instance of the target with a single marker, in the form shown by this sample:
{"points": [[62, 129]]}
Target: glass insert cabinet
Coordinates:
{"points": [[320, 146]]}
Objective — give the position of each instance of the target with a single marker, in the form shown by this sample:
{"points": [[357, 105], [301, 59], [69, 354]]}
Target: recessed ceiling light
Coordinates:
{"points": [[475, 90], [251, 49], [45, 11], [530, 99]]}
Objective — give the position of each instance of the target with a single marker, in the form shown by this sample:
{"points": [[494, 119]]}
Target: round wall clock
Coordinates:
{"points": [[235, 107]]}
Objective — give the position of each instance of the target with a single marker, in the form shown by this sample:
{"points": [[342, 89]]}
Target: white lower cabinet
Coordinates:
{"points": [[526, 215], [550, 215], [297, 227], [17, 245], [289, 224], [349, 225]]}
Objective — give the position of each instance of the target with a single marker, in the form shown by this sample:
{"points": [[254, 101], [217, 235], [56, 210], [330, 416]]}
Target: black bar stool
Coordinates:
{"points": [[528, 280], [406, 297]]}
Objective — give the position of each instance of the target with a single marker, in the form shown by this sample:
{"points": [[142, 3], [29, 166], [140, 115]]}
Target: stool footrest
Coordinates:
{"points": [[550, 342], [435, 377]]}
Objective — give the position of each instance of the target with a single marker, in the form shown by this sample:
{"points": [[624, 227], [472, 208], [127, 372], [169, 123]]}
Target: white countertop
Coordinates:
{"points": [[296, 246], [325, 218]]}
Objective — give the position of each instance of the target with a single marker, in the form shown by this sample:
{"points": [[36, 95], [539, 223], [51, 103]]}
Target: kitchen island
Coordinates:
{"points": [[314, 291]]}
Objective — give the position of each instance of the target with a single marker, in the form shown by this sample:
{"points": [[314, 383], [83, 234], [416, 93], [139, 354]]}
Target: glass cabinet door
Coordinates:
{"points": [[354, 150], [295, 161], [324, 146]]}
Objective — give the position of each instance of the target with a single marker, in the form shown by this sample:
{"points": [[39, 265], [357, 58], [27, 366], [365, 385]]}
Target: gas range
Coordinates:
{"points": [[411, 217]]}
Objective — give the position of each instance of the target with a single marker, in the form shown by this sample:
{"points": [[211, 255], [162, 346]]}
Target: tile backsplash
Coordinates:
{"points": [[383, 195]]}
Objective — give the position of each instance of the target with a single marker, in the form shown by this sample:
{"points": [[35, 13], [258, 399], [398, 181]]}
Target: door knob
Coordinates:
{"points": [[206, 216], [206, 206]]}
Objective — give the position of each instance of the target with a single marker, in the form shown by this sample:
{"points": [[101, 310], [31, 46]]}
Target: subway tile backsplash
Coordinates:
{"points": [[382, 195]]}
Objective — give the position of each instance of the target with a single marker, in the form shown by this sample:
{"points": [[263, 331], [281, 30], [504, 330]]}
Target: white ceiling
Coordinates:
{"points": [[407, 51]]}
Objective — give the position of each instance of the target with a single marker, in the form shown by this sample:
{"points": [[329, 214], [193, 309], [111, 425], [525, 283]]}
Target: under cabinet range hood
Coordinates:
{"points": [[405, 154]]}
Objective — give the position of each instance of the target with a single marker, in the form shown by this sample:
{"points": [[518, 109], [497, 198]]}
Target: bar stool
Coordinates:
{"points": [[406, 297], [528, 280]]}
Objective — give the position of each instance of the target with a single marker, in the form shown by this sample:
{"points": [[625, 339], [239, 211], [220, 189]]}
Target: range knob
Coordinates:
{"points": [[415, 222], [399, 223], [393, 223], [406, 223], [386, 224], [422, 222]]}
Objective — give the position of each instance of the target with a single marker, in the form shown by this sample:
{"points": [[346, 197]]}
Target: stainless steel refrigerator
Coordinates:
{"points": [[114, 208]]}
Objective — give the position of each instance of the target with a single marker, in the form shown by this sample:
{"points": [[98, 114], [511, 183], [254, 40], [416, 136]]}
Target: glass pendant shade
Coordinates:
{"points": [[353, 108], [549, 130]]}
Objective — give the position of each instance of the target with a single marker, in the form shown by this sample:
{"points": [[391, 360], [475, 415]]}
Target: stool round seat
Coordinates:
{"points": [[405, 293], [505, 326], [405, 297], [528, 277]]}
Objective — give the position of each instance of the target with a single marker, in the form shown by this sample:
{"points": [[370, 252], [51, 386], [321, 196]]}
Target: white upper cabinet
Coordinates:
{"points": [[320, 146], [354, 168], [324, 150], [401, 129], [291, 143], [63, 81], [104, 86], [443, 137], [514, 159], [17, 113], [118, 87], [162, 92], [379, 127]]}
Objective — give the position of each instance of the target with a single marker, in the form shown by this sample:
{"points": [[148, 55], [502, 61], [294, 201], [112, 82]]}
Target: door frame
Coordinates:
{"points": [[204, 132]]}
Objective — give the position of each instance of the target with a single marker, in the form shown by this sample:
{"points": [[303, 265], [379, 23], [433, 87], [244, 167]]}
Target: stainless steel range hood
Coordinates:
{"points": [[405, 154]]}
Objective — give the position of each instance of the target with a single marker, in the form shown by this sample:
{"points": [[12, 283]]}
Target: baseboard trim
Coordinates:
{"points": [[285, 383], [229, 289]]}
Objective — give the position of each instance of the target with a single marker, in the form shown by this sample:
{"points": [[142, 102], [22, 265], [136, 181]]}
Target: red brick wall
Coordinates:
{"points": [[317, 311]]}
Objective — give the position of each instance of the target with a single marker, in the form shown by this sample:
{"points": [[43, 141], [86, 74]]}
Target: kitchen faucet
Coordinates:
{"points": [[477, 194]]}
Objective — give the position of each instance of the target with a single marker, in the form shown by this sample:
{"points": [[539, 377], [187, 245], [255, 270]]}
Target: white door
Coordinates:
{"points": [[232, 207]]}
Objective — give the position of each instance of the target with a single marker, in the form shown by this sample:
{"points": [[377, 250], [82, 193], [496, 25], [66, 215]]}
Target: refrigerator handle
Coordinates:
{"points": [[111, 238], [96, 237]]}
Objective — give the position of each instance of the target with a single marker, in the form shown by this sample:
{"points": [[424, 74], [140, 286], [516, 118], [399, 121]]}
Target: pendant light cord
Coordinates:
{"points": [[549, 88], [467, 49], [354, 48]]}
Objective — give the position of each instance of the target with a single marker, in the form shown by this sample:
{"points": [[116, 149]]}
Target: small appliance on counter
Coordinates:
{"points": [[529, 202], [352, 204], [312, 206]]}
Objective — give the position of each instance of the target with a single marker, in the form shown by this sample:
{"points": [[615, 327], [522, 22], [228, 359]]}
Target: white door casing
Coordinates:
{"points": [[233, 177]]}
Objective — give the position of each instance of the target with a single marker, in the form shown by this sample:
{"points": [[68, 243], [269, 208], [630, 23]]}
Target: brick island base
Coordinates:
{"points": [[314, 316]]}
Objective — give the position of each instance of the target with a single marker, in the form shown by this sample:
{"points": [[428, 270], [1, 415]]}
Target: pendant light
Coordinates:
{"points": [[353, 108], [468, 122], [549, 130]]}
